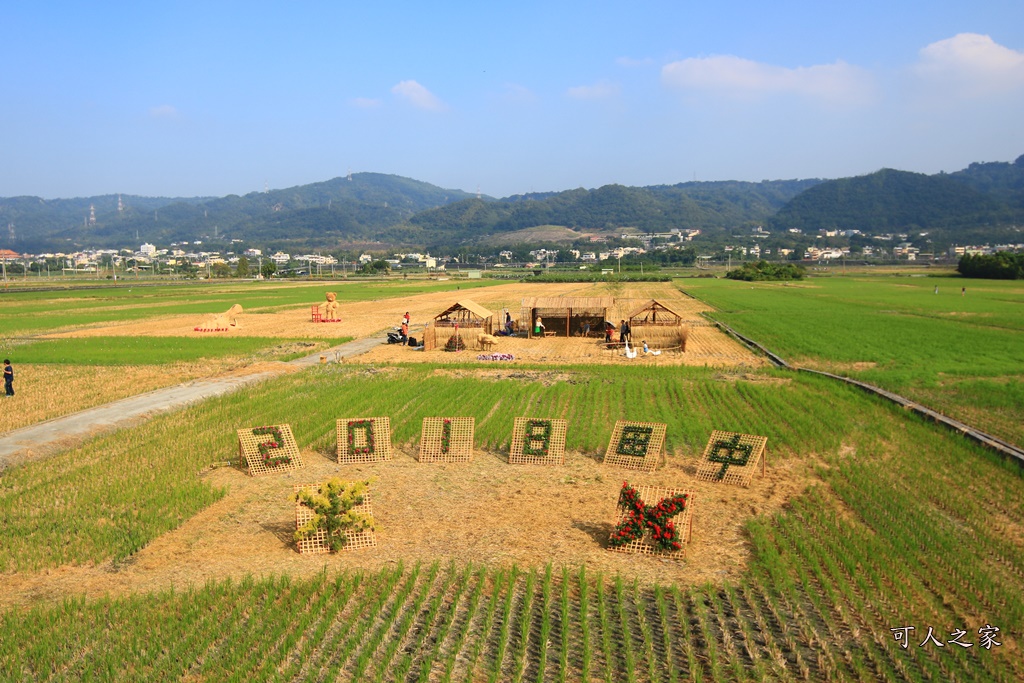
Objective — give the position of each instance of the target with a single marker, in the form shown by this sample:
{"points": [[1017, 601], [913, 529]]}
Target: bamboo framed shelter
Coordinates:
{"points": [[654, 314], [462, 315], [566, 316], [660, 325]]}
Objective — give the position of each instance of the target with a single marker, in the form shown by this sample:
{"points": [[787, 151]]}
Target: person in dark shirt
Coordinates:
{"points": [[8, 378]]}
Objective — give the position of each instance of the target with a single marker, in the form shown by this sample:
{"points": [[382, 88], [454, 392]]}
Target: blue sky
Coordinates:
{"points": [[215, 98]]}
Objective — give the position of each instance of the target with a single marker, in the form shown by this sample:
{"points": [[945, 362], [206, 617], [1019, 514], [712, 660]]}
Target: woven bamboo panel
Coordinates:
{"points": [[629, 438], [249, 455], [528, 449], [683, 521], [317, 543], [376, 437], [459, 440], [732, 457]]}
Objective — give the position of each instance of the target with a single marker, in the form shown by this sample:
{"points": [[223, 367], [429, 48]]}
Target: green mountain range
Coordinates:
{"points": [[983, 201], [894, 201]]}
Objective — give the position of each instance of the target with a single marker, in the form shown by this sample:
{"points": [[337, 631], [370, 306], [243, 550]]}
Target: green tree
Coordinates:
{"points": [[242, 269], [268, 269], [763, 270], [374, 267]]}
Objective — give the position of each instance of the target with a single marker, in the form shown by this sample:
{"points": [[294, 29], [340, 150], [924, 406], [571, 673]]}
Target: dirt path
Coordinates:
{"points": [[46, 438]]}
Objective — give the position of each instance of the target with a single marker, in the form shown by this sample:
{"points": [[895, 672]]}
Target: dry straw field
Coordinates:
{"points": [[706, 345]]}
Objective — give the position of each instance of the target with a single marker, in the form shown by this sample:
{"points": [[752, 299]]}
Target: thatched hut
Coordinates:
{"points": [[466, 315], [566, 316], [659, 325]]}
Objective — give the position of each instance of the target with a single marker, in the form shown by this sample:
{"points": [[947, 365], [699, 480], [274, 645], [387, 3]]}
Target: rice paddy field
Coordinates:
{"points": [[876, 547], [958, 351]]}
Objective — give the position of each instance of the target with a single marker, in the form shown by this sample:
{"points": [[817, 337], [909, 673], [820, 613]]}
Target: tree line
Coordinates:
{"points": [[1002, 265]]}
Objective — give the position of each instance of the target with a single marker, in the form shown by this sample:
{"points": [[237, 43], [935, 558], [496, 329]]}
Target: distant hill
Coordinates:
{"points": [[979, 197], [713, 205], [1004, 181], [978, 203], [360, 207]]}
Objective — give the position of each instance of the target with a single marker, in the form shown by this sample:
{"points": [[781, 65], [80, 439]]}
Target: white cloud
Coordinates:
{"points": [[164, 111], [365, 102], [972, 64], [838, 83], [599, 91], [418, 96]]}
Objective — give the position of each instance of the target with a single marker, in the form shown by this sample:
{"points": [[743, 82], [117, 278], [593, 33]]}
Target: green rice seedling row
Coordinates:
{"points": [[266, 632], [444, 609]]}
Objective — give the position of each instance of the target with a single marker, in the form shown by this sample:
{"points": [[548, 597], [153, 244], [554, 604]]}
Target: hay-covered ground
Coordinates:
{"points": [[467, 512], [706, 345]]}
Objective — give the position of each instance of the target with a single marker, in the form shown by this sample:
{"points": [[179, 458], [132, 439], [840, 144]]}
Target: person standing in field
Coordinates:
{"points": [[624, 332], [405, 319], [8, 378]]}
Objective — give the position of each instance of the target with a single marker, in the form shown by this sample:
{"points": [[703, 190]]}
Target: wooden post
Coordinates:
{"points": [[568, 319], [689, 520]]}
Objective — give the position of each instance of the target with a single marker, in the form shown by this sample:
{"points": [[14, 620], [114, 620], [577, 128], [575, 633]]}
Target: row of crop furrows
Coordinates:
{"points": [[893, 570], [816, 621], [418, 624]]}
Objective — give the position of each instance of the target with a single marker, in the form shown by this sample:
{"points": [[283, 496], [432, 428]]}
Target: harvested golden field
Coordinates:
{"points": [[364, 318], [706, 345], [43, 392]]}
